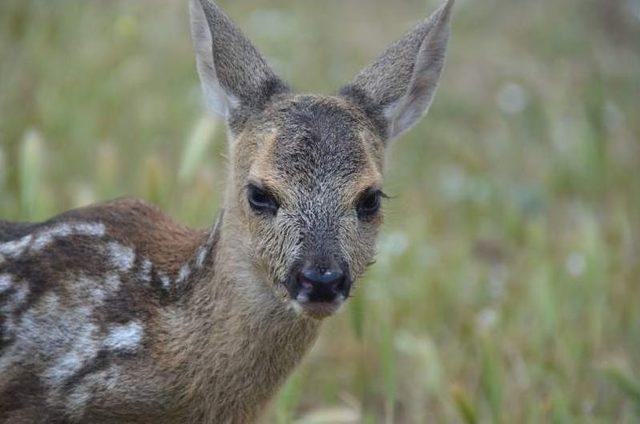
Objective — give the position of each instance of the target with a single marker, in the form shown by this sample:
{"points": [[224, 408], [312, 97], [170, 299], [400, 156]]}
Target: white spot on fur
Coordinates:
{"points": [[50, 303], [65, 367], [91, 291], [42, 239], [17, 298], [83, 350], [15, 248], [165, 280], [66, 229], [144, 274], [5, 282], [185, 271], [122, 257], [96, 229], [9, 332], [202, 255], [112, 283], [20, 295], [45, 238], [125, 337], [36, 332]]}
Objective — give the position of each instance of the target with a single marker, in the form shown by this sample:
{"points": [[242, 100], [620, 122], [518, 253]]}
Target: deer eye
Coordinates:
{"points": [[261, 201], [369, 203]]}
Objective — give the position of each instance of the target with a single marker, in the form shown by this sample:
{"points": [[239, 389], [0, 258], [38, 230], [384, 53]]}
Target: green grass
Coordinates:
{"points": [[507, 287]]}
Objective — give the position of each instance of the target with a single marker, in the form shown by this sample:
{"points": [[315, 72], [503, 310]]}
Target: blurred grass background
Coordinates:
{"points": [[508, 282]]}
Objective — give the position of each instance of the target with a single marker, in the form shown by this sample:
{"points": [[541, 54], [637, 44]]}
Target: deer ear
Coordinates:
{"points": [[398, 87], [232, 72]]}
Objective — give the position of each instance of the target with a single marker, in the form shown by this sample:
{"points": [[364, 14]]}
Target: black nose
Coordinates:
{"points": [[319, 283]]}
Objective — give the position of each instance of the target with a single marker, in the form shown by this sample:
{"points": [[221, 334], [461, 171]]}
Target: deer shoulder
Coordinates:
{"points": [[80, 296]]}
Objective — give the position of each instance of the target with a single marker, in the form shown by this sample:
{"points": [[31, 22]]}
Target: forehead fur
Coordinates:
{"points": [[316, 141]]}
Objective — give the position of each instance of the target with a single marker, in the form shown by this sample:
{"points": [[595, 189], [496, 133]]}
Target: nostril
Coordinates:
{"points": [[326, 286]]}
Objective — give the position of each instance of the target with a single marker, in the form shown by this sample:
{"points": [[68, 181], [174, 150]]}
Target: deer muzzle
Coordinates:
{"points": [[319, 286]]}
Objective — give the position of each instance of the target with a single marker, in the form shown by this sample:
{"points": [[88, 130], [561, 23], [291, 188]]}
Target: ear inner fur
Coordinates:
{"points": [[397, 88]]}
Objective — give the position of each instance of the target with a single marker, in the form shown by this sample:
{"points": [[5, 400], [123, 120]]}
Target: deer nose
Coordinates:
{"points": [[321, 284], [327, 277]]}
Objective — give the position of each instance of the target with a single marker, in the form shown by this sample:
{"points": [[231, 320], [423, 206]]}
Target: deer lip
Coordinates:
{"points": [[318, 310]]}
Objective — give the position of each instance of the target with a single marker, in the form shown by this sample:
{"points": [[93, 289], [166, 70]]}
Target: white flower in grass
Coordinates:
{"points": [[512, 98], [486, 320], [576, 264]]}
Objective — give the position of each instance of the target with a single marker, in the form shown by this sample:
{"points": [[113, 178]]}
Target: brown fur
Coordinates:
{"points": [[116, 313], [167, 243]]}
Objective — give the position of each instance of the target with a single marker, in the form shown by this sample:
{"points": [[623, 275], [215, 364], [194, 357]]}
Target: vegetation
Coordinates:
{"points": [[507, 286]]}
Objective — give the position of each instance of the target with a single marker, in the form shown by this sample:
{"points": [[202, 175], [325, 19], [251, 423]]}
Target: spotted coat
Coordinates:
{"points": [[116, 313]]}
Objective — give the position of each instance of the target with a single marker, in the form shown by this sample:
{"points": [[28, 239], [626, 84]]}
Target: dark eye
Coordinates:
{"points": [[369, 203], [261, 201]]}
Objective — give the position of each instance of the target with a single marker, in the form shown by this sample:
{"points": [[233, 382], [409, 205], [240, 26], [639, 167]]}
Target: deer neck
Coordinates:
{"points": [[236, 337]]}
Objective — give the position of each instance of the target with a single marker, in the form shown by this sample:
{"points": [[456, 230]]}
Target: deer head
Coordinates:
{"points": [[305, 177]]}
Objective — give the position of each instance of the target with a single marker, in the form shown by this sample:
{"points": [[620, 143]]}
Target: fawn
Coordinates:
{"points": [[116, 313]]}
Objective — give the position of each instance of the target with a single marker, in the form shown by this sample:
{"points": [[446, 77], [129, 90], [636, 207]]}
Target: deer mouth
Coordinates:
{"points": [[317, 309]]}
